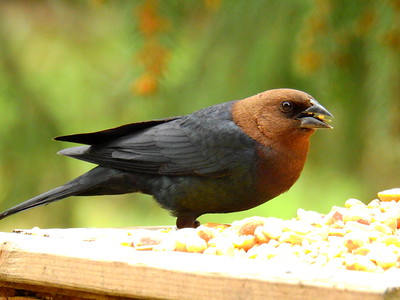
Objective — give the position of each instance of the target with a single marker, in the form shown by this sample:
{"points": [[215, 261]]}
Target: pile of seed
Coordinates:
{"points": [[358, 236]]}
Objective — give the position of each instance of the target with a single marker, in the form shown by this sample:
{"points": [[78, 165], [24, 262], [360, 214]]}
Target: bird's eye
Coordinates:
{"points": [[286, 106]]}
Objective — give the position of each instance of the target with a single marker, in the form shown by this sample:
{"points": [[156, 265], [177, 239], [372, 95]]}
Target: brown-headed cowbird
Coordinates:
{"points": [[224, 158]]}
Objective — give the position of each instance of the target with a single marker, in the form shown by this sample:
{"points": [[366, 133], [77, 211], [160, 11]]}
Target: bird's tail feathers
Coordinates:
{"points": [[98, 181], [45, 198]]}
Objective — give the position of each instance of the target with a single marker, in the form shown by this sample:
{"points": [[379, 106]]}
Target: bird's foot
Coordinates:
{"points": [[187, 222]]}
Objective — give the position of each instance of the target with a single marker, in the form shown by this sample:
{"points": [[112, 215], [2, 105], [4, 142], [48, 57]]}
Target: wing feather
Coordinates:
{"points": [[179, 146]]}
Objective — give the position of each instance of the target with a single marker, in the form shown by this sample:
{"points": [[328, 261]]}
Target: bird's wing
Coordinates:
{"points": [[103, 136], [171, 148]]}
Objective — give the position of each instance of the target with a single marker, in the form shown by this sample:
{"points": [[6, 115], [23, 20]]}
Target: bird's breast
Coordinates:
{"points": [[277, 169]]}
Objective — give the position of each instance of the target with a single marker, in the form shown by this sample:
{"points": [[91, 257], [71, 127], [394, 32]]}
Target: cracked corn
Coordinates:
{"points": [[358, 236]]}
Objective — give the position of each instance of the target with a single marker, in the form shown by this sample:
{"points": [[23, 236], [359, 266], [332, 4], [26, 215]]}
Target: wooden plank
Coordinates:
{"points": [[14, 291], [96, 268], [86, 234]]}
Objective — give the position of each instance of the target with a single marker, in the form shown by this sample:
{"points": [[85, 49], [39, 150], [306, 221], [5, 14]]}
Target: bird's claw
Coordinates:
{"points": [[187, 222]]}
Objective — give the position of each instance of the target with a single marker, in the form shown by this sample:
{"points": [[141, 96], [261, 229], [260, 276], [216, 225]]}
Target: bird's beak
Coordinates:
{"points": [[315, 116]]}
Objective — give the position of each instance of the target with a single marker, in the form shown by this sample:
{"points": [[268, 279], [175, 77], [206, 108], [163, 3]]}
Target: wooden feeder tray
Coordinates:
{"points": [[64, 264]]}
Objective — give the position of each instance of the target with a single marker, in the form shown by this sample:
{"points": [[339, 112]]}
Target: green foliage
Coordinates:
{"points": [[69, 67]]}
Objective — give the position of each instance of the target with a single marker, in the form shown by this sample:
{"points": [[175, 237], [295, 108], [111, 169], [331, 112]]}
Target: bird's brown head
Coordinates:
{"points": [[280, 114]]}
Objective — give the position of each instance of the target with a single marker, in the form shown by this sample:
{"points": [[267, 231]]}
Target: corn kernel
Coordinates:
{"points": [[358, 214], [181, 238], [383, 256], [353, 202], [291, 237], [354, 240], [206, 233], [223, 246], [389, 195], [382, 228], [210, 251], [387, 218], [195, 244], [297, 226], [263, 251], [261, 238], [250, 226], [333, 217], [359, 263], [339, 232], [363, 250], [391, 240], [272, 230], [376, 204], [244, 242], [166, 245], [310, 217]]}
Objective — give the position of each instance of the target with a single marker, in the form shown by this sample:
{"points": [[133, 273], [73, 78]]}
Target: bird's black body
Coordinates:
{"points": [[203, 155], [194, 164], [179, 161]]}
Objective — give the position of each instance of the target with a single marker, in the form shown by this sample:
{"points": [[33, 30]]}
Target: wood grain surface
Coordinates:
{"points": [[68, 266]]}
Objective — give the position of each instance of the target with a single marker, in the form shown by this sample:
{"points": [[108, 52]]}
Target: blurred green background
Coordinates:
{"points": [[80, 66]]}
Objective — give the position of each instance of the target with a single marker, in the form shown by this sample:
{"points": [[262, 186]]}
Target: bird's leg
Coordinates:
{"points": [[187, 222]]}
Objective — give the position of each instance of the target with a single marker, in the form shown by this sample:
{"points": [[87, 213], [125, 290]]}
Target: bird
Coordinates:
{"points": [[224, 158]]}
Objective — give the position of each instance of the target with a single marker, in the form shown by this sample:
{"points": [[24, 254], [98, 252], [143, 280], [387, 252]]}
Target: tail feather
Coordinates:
{"points": [[98, 181], [58, 193]]}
